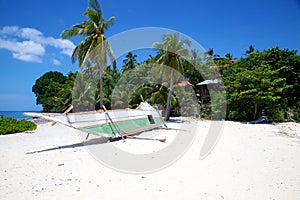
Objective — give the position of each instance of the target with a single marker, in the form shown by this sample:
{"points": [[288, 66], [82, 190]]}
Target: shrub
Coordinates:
{"points": [[295, 112], [276, 115], [11, 125]]}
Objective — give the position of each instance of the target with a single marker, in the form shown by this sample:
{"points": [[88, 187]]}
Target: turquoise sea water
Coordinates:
{"points": [[15, 114]]}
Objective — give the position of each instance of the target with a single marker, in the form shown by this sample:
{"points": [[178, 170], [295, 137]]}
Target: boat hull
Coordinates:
{"points": [[110, 124]]}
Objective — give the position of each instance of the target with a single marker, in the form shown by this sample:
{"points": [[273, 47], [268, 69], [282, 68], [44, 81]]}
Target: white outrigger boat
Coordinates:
{"points": [[121, 123]]}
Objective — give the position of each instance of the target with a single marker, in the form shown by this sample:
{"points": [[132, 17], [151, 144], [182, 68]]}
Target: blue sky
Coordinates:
{"points": [[30, 30]]}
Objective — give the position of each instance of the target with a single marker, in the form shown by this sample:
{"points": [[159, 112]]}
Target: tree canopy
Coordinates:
{"points": [[259, 83], [47, 87], [263, 83]]}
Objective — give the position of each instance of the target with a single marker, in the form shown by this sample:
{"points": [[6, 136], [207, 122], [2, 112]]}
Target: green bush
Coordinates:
{"points": [[295, 112], [11, 125], [276, 115]]}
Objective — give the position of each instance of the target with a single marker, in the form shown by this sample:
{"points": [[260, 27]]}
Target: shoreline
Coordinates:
{"points": [[250, 161]]}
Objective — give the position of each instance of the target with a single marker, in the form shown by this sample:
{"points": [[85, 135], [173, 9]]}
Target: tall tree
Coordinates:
{"points": [[192, 67], [228, 56], [254, 92], [92, 30], [171, 53], [210, 54], [250, 50], [63, 98], [285, 60], [130, 62]]}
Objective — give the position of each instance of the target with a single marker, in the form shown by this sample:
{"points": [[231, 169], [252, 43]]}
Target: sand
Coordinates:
{"points": [[249, 162]]}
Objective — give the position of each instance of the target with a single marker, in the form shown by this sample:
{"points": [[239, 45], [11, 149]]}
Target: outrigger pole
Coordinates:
{"points": [[112, 122], [66, 111], [163, 121], [143, 138]]}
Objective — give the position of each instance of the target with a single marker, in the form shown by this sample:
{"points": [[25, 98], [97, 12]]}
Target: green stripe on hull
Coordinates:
{"points": [[123, 126], [157, 120]]}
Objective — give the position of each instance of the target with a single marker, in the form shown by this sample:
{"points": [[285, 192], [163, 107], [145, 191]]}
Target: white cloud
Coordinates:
{"points": [[66, 46], [56, 62], [7, 30], [28, 51], [31, 34], [28, 44], [27, 57]]}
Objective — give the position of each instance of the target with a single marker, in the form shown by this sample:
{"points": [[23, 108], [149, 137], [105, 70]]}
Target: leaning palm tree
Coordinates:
{"points": [[171, 54], [93, 31]]}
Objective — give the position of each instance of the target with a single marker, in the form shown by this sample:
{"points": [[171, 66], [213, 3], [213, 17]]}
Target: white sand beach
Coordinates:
{"points": [[249, 162]]}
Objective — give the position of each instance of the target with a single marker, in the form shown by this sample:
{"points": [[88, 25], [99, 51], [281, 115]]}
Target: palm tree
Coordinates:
{"points": [[64, 96], [228, 56], [250, 50], [130, 62], [192, 67], [93, 31], [210, 54], [194, 57], [171, 53]]}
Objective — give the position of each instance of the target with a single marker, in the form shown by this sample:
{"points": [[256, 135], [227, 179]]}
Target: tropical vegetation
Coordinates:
{"points": [[263, 83], [260, 83], [92, 51], [172, 54], [9, 125], [47, 88]]}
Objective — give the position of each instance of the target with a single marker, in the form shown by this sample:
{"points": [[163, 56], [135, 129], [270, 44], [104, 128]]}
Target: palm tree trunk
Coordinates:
{"points": [[102, 65], [101, 90], [114, 66], [169, 100], [255, 111]]}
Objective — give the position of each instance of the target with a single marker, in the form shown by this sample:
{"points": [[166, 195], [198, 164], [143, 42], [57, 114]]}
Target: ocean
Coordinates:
{"points": [[15, 114]]}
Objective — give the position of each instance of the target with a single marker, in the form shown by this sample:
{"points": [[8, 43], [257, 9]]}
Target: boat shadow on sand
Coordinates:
{"points": [[94, 141]]}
